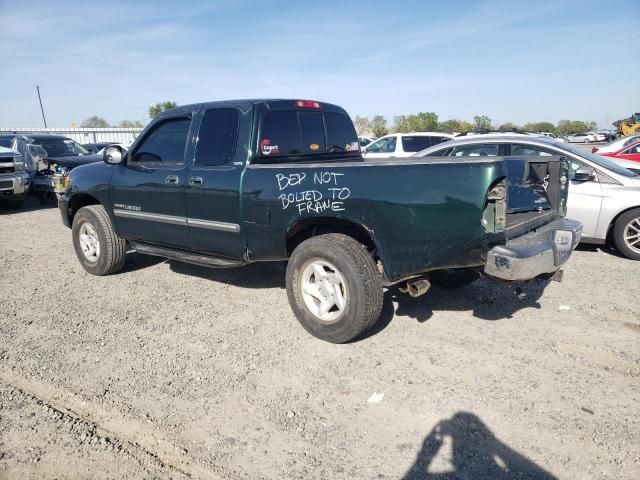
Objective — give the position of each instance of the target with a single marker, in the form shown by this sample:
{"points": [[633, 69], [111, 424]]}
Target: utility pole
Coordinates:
{"points": [[41, 109]]}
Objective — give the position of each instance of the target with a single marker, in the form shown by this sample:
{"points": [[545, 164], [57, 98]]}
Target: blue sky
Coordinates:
{"points": [[513, 61]]}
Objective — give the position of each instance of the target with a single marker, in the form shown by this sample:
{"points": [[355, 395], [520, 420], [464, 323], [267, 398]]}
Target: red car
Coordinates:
{"points": [[630, 152]]}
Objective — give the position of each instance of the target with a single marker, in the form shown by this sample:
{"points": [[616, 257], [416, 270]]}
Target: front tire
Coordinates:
{"points": [[334, 287], [98, 248], [626, 234]]}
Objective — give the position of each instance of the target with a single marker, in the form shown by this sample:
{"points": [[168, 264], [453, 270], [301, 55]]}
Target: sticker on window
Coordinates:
{"points": [[314, 146], [352, 147], [266, 148]]}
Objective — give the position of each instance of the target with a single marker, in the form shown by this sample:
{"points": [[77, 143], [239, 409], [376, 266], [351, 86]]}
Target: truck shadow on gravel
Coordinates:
{"points": [[473, 451], [254, 275], [487, 300]]}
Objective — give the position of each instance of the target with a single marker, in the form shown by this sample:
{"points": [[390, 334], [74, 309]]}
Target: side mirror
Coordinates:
{"points": [[584, 174], [113, 155]]}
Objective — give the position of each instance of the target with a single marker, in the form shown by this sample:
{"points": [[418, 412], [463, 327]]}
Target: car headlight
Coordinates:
{"points": [[18, 164]]}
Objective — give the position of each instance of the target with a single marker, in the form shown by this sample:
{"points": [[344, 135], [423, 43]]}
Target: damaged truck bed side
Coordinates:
{"points": [[228, 183]]}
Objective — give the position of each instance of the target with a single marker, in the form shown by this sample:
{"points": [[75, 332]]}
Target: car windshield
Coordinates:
{"points": [[5, 142], [597, 159], [60, 147]]}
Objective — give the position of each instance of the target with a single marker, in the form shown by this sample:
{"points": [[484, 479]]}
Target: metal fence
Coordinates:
{"points": [[84, 135]]}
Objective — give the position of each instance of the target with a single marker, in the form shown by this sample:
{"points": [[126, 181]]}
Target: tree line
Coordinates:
{"points": [[429, 122], [154, 110]]}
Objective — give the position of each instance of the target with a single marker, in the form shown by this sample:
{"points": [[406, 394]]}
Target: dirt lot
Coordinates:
{"points": [[169, 370]]}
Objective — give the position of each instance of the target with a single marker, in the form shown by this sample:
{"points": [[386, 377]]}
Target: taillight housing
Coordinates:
{"points": [[494, 216], [307, 104]]}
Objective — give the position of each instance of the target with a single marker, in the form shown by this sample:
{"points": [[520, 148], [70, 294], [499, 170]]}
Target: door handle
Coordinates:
{"points": [[171, 179], [195, 181]]}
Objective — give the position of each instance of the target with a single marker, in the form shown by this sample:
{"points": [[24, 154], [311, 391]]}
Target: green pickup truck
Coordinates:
{"points": [[228, 183]]}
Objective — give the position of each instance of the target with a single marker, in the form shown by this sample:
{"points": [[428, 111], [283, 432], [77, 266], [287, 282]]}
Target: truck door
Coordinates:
{"points": [[148, 192], [213, 189]]}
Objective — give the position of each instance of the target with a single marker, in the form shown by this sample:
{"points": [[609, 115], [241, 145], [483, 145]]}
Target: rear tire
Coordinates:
{"points": [[334, 269], [97, 246], [626, 234], [453, 279]]}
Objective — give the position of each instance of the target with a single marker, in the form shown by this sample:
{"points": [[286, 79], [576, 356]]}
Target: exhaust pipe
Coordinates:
{"points": [[416, 287]]}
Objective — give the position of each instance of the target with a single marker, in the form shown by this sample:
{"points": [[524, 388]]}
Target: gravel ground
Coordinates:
{"points": [[168, 370]]}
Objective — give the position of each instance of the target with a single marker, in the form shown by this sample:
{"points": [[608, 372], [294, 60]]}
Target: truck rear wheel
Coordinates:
{"points": [[334, 287], [626, 234], [99, 249]]}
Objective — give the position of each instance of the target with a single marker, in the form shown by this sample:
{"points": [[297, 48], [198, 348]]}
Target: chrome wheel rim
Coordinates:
{"points": [[89, 242], [324, 290], [632, 235]]}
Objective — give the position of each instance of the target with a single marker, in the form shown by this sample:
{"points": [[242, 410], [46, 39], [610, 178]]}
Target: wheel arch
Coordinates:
{"points": [[78, 201], [615, 219], [309, 227]]}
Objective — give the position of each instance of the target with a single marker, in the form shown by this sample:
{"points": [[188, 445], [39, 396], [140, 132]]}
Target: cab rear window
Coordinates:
{"points": [[300, 133]]}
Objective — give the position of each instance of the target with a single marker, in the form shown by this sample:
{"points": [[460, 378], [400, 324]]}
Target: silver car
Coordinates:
{"points": [[604, 193]]}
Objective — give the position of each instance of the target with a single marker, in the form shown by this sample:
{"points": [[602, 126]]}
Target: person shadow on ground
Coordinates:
{"points": [[475, 454]]}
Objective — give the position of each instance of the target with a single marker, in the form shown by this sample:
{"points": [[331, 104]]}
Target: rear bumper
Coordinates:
{"points": [[536, 253]]}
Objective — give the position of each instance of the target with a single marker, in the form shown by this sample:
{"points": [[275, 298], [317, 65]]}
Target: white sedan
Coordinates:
{"points": [[403, 144], [587, 137]]}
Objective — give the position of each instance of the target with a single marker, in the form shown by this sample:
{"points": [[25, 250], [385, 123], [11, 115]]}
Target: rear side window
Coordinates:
{"points": [[165, 143], [341, 135], [5, 142], [529, 150], [280, 134], [415, 144], [384, 145], [476, 151], [305, 133], [218, 137]]}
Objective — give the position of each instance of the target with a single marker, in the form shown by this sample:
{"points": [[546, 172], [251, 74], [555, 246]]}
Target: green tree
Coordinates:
{"points": [[362, 124], [379, 126], [94, 122], [454, 125], [482, 121], [158, 108], [421, 122], [427, 121], [539, 127], [130, 124], [572, 126], [401, 124]]}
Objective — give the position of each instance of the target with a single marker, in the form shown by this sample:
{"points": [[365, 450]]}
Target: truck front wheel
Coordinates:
{"points": [[99, 249], [334, 287]]}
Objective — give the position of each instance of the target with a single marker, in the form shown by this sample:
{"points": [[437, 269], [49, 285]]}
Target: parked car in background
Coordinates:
{"points": [[14, 181], [616, 145], [95, 147], [630, 152], [599, 137], [604, 194], [364, 141], [580, 137], [608, 135], [403, 144], [548, 134], [46, 156]]}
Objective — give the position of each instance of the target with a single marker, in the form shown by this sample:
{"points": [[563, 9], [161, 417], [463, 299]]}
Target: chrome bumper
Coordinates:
{"points": [[536, 253], [16, 183]]}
